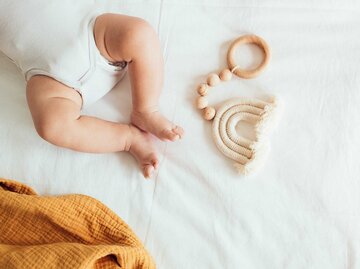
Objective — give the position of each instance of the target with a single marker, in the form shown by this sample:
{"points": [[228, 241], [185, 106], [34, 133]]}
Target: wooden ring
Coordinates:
{"points": [[248, 39]]}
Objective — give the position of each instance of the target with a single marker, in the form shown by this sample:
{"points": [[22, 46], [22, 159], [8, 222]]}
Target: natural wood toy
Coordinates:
{"points": [[248, 154]]}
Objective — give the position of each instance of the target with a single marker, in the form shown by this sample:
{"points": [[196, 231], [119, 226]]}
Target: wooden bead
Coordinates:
{"points": [[225, 75], [213, 79], [203, 89], [209, 113], [201, 102]]}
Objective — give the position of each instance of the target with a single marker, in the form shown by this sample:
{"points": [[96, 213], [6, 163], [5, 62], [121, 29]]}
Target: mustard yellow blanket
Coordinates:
{"points": [[71, 231]]}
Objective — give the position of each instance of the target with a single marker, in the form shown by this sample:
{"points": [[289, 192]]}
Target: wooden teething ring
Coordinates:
{"points": [[248, 39]]}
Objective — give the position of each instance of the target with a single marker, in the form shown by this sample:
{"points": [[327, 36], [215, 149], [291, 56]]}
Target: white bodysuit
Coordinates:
{"points": [[55, 38]]}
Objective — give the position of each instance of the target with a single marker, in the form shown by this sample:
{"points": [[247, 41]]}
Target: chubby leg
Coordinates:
{"points": [[55, 110], [125, 38]]}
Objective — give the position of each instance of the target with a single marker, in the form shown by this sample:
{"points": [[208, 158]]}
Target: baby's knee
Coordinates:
{"points": [[139, 36], [123, 37], [142, 31], [54, 131]]}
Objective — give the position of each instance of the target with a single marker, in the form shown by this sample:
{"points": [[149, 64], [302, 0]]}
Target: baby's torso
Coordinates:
{"points": [[55, 38], [40, 34]]}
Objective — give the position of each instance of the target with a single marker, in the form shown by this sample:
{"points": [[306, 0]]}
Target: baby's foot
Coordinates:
{"points": [[157, 124], [142, 149]]}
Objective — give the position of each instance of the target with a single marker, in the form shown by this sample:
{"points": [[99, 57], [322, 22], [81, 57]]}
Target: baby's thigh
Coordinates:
{"points": [[49, 99]]}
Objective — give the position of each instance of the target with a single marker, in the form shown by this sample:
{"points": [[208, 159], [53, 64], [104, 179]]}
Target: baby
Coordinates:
{"points": [[70, 60]]}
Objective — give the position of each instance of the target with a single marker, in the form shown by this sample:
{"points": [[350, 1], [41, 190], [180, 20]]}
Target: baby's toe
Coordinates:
{"points": [[155, 163], [179, 131], [150, 165], [148, 170], [153, 160], [169, 134]]}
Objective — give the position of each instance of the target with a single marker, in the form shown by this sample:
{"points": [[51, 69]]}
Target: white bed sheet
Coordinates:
{"points": [[300, 211]]}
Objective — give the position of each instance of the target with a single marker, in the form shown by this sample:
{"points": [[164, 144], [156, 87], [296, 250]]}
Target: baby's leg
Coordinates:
{"points": [[55, 109], [124, 38]]}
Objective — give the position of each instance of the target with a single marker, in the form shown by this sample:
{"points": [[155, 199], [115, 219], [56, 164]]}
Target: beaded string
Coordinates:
{"points": [[214, 79]]}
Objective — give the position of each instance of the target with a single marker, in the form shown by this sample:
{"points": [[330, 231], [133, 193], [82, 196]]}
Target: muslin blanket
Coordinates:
{"points": [[71, 231]]}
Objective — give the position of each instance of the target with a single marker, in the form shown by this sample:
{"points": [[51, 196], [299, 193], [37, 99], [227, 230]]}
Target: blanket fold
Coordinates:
{"points": [[70, 231]]}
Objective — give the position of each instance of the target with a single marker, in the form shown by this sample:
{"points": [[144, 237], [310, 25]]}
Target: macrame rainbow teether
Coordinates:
{"points": [[248, 154]]}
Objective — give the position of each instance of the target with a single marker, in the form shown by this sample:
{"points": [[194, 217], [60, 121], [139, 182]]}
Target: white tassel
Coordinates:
{"points": [[249, 155]]}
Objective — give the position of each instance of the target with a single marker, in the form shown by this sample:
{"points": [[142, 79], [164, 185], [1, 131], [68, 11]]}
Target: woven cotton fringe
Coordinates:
{"points": [[248, 155]]}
